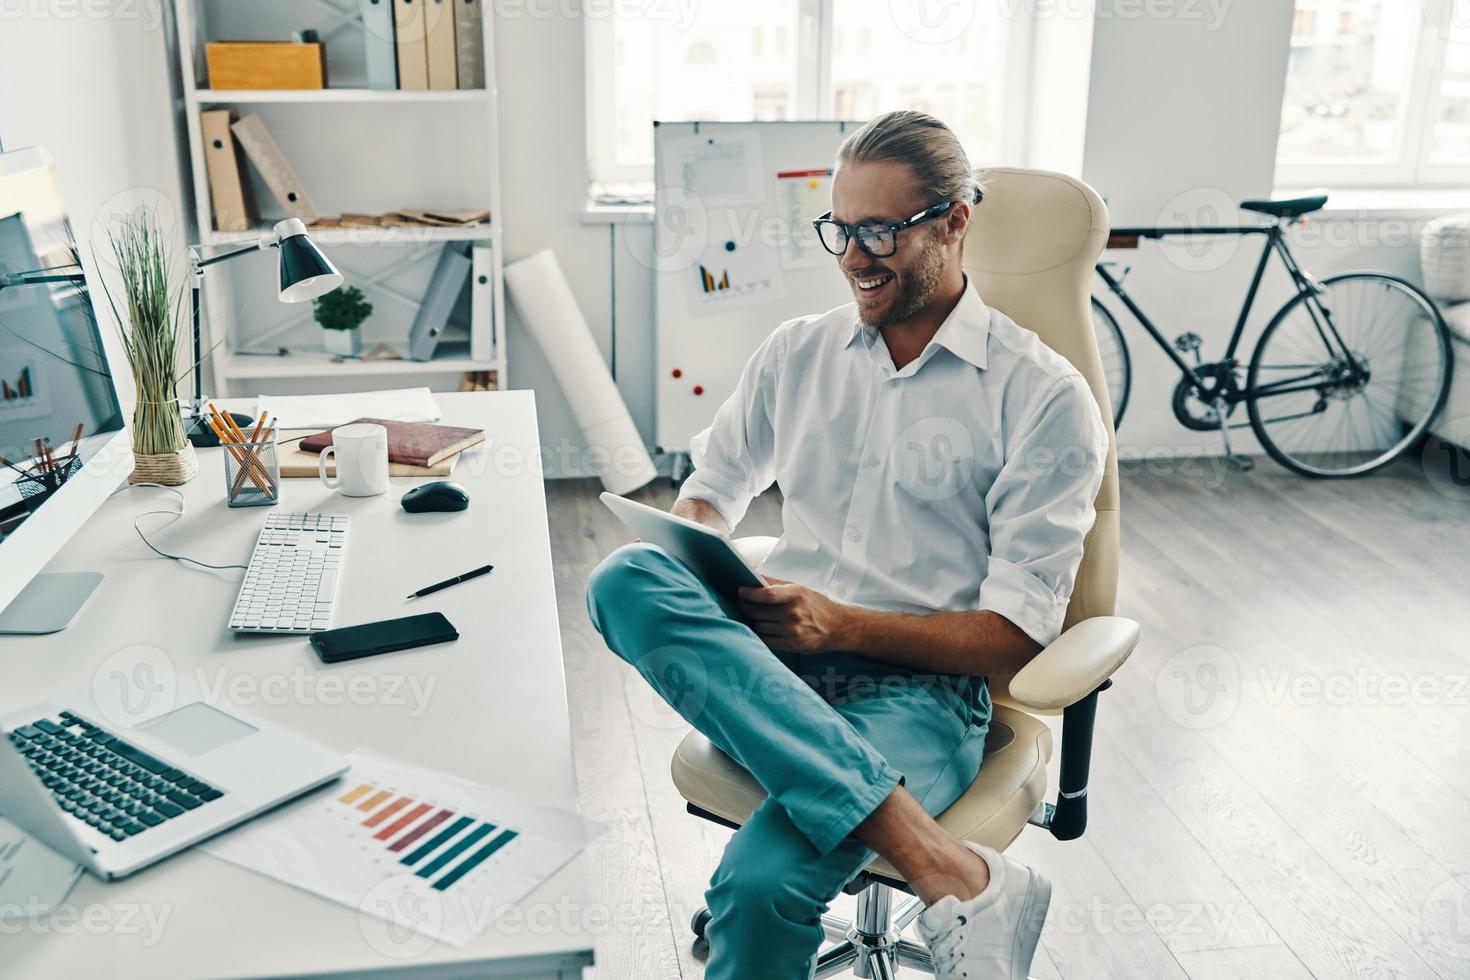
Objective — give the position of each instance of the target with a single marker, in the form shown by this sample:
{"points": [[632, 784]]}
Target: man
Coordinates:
{"points": [[938, 466]]}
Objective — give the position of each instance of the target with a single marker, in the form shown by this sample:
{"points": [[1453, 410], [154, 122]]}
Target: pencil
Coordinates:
{"points": [[250, 462], [252, 458], [252, 453], [259, 475], [227, 441]]}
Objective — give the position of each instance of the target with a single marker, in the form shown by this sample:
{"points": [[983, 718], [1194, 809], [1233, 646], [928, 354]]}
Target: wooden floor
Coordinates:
{"points": [[1281, 782]]}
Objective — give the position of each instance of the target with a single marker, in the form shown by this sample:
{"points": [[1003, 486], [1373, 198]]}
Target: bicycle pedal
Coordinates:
{"points": [[1187, 342]]}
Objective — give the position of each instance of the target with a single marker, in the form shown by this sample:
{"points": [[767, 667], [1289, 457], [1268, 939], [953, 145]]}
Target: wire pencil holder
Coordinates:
{"points": [[252, 473], [37, 486]]}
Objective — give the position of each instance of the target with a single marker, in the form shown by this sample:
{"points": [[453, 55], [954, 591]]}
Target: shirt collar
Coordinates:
{"points": [[965, 333]]}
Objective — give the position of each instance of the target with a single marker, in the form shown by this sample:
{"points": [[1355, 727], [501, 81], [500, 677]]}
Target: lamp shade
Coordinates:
{"points": [[305, 272]]}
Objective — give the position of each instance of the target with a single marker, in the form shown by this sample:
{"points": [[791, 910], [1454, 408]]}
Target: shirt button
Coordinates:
{"points": [[871, 461], [854, 535]]}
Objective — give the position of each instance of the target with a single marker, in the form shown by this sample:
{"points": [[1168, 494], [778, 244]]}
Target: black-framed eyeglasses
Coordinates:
{"points": [[878, 238]]}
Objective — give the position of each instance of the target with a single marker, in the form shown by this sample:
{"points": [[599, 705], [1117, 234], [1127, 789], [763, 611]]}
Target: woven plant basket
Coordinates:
{"points": [[169, 469]]}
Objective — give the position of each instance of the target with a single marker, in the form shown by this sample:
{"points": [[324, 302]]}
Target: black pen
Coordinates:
{"points": [[452, 581]]}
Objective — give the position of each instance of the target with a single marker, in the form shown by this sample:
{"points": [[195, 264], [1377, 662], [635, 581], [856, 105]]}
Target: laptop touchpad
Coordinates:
{"points": [[196, 728]]}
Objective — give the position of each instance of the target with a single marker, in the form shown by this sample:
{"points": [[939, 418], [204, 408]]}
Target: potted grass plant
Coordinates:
{"points": [[340, 313], [151, 323]]}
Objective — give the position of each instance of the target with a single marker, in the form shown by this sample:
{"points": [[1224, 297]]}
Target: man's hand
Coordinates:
{"points": [[793, 618]]}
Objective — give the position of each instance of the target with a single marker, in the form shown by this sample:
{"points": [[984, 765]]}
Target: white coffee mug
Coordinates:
{"points": [[361, 452]]}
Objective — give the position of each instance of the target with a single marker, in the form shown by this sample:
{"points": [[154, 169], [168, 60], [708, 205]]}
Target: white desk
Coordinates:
{"points": [[497, 710]]}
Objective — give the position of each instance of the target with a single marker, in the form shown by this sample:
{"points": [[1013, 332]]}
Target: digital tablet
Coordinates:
{"points": [[706, 552]]}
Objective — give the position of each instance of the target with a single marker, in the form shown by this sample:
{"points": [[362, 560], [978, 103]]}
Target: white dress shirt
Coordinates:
{"points": [[964, 481]]}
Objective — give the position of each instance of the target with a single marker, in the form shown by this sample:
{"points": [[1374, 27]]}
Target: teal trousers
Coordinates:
{"points": [[828, 736]]}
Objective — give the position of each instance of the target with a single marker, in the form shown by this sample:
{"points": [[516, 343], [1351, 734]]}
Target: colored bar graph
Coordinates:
{"points": [[20, 390], [434, 844], [374, 800], [455, 850], [470, 863], [710, 284], [387, 811], [402, 822], [353, 795], [420, 831]]}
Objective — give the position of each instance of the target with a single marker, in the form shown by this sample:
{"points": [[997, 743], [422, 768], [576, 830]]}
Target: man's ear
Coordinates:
{"points": [[957, 222]]}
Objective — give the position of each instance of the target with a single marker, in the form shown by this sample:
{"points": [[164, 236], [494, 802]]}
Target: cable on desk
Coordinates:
{"points": [[175, 514]]}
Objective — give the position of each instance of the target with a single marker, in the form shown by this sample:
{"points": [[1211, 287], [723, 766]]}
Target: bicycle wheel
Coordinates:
{"points": [[1343, 382], [1117, 365]]}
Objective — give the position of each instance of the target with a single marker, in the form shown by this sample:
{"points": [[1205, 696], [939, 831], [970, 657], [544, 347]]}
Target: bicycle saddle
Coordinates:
{"points": [[1286, 207]]}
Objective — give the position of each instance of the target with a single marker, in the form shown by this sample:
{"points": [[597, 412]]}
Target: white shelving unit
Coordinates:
{"points": [[354, 149], [248, 96]]}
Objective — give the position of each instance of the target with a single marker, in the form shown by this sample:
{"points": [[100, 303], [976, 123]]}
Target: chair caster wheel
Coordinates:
{"points": [[699, 922]]}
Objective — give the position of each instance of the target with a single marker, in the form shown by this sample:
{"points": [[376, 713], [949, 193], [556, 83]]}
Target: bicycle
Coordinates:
{"points": [[1314, 362]]}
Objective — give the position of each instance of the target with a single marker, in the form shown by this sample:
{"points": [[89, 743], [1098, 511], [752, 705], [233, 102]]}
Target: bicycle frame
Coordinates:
{"points": [[1275, 235]]}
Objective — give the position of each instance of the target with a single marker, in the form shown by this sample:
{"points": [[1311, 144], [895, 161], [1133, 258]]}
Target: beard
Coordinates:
{"points": [[916, 286]]}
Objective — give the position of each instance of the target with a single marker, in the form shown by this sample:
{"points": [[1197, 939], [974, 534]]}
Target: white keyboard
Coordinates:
{"points": [[292, 576]]}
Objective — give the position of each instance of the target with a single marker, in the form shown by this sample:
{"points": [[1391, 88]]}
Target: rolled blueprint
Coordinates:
{"points": [[616, 451]]}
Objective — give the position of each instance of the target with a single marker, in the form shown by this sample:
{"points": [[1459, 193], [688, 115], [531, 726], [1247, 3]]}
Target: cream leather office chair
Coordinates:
{"points": [[1030, 252]]}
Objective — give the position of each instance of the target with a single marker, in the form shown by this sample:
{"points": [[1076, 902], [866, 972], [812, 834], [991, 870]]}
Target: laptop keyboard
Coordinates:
{"points": [[105, 782]]}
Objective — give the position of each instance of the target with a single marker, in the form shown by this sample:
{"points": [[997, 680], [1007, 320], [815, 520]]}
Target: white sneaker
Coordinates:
{"points": [[994, 934]]}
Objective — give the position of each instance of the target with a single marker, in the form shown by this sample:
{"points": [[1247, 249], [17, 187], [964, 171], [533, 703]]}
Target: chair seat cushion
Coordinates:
{"points": [[993, 811]]}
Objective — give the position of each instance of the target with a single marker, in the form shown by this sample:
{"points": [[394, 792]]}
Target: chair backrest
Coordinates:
{"points": [[1030, 250]]}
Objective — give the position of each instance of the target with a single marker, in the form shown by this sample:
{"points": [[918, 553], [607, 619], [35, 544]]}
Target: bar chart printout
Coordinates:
{"points": [[419, 848]]}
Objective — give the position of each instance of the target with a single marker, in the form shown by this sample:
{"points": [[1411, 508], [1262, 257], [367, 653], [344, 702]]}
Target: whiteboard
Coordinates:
{"points": [[734, 254]]}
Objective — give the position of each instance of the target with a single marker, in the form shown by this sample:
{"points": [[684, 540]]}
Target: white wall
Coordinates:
{"points": [[543, 164], [1181, 122], [1182, 119], [90, 81], [109, 128]]}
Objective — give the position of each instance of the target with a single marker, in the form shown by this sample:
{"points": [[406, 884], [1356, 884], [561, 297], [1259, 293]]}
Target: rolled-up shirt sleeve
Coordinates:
{"points": [[734, 459], [1041, 508]]}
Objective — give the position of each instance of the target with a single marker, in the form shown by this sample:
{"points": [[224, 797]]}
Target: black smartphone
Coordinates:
{"points": [[370, 639]]}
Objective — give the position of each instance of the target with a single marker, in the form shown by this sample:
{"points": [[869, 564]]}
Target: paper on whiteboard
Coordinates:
{"points": [[420, 854], [730, 275], [321, 411], [33, 878], [723, 169], [802, 195]]}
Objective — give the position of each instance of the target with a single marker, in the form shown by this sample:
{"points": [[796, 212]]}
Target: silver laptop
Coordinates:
{"points": [[118, 798]]}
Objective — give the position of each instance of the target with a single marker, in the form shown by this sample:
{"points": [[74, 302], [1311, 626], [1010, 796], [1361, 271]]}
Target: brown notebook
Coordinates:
{"points": [[296, 464], [414, 443]]}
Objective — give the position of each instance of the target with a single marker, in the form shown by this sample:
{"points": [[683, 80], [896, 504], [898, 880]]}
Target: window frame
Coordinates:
{"points": [[1411, 165], [815, 31]]}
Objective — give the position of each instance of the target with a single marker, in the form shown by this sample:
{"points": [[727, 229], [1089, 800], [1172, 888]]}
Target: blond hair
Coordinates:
{"points": [[928, 146]]}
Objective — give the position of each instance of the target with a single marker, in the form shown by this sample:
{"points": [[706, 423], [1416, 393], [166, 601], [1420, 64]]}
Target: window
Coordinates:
{"points": [[1377, 94], [797, 59]]}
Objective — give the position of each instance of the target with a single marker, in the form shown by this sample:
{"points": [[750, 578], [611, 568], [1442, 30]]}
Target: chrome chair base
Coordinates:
{"points": [[871, 946]]}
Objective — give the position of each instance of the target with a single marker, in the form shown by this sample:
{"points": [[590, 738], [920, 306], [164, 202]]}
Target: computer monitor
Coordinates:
{"points": [[54, 376]]}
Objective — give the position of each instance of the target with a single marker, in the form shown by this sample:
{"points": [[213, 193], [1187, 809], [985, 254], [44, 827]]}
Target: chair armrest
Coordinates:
{"points": [[1075, 664]]}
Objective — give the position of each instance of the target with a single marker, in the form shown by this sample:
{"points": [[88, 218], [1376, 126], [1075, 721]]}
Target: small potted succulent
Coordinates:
{"points": [[340, 314]]}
